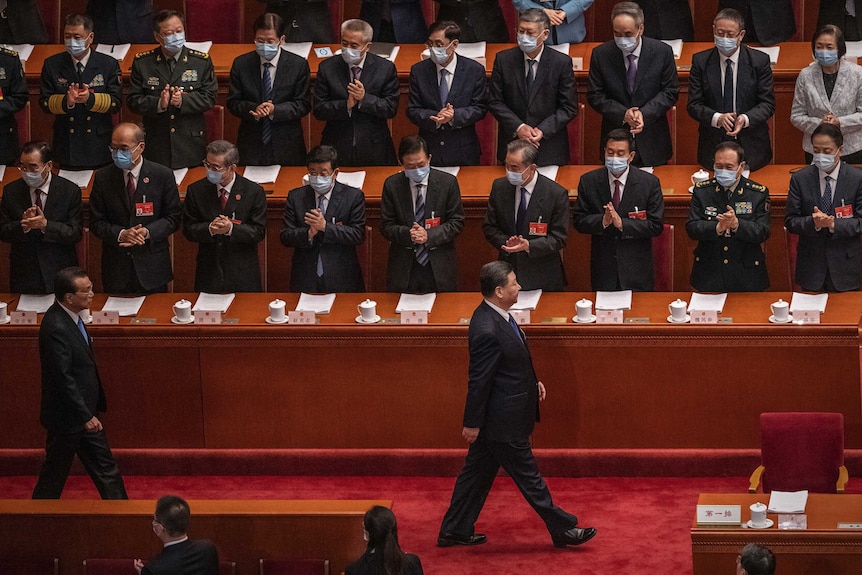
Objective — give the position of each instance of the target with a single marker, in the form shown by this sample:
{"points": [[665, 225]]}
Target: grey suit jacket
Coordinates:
{"points": [[810, 104]]}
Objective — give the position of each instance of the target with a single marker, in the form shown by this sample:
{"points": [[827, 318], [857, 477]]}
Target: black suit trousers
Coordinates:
{"points": [[95, 454], [484, 459]]}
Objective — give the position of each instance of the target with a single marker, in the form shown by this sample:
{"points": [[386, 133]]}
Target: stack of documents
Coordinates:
{"points": [[319, 304], [611, 300], [213, 302], [37, 303], [414, 302], [788, 501], [707, 302], [125, 306], [528, 299]]}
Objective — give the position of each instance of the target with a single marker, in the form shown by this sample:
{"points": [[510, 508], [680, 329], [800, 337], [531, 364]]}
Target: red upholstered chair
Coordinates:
{"points": [[671, 123], [576, 137], [22, 118], [662, 259], [791, 240], [486, 130], [50, 12], [226, 568], [30, 566], [363, 252], [801, 450], [336, 17], [294, 567], [510, 15], [220, 21], [214, 118], [109, 567]]}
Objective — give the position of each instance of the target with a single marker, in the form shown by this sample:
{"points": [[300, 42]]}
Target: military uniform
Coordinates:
{"points": [[13, 98], [176, 137], [731, 261], [82, 133]]}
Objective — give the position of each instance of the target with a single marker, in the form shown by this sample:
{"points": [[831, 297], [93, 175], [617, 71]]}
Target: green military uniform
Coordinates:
{"points": [[730, 261], [82, 133], [177, 136], [13, 98]]}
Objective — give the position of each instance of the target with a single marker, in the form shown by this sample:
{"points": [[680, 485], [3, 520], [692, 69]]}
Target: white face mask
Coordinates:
{"points": [[351, 55]]}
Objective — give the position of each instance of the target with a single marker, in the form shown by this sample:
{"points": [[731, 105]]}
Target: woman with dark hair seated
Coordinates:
{"points": [[383, 555]]}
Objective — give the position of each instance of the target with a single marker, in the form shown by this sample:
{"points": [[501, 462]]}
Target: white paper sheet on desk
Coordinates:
{"points": [[854, 50], [213, 302], [472, 50], [771, 51], [787, 501], [37, 303], [614, 299], [352, 179], [117, 51], [2, 171], [125, 306], [647, 169], [301, 49], [676, 46], [707, 302], [200, 47], [319, 304], [528, 299], [549, 172], [806, 301], [80, 177], [416, 302], [561, 48], [262, 174], [24, 50], [448, 169], [180, 175]]}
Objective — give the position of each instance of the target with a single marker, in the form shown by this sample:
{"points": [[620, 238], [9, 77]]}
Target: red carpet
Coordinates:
{"points": [[643, 523]]}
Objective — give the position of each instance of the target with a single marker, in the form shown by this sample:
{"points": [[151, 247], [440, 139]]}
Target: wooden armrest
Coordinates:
{"points": [[843, 476], [754, 480]]}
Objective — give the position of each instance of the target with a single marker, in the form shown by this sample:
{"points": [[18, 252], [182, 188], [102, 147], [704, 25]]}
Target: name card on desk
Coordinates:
{"points": [[415, 317], [806, 316], [522, 316], [106, 317], [23, 317], [719, 514], [614, 316], [704, 316], [208, 317], [301, 316]]}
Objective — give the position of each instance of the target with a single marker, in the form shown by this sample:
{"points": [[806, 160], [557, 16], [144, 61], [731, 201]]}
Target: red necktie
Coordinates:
{"points": [[130, 188], [39, 200], [223, 198], [617, 194]]}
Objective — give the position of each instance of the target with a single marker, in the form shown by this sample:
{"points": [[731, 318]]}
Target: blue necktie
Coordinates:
{"points": [[826, 198], [420, 251], [727, 96], [517, 329], [522, 228], [266, 123], [444, 88], [321, 205], [83, 330]]}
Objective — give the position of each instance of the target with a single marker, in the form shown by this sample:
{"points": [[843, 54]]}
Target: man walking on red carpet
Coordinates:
{"points": [[503, 396]]}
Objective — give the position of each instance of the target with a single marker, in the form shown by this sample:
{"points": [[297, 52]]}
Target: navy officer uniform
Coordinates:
{"points": [[730, 261], [13, 98]]}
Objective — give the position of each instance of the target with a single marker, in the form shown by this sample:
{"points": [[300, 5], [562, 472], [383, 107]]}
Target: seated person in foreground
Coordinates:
{"points": [[383, 554]]}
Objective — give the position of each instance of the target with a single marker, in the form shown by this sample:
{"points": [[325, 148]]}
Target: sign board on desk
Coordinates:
{"points": [[806, 316], [106, 317], [301, 316], [414, 317], [23, 317], [719, 515], [614, 316], [207, 317], [704, 316], [522, 316]]}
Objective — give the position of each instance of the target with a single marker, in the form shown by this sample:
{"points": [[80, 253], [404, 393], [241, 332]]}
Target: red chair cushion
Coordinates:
{"points": [[801, 450]]}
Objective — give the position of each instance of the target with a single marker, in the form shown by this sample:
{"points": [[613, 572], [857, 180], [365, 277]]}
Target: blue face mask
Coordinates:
{"points": [[616, 165], [825, 161], [351, 55], [76, 47], [213, 177], [439, 55], [626, 43], [726, 178], [418, 174], [726, 46], [266, 51], [122, 159], [175, 42], [33, 179], [320, 184], [826, 57], [527, 43], [515, 178]]}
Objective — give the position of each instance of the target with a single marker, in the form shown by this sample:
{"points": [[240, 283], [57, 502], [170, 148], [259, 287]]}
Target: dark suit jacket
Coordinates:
{"points": [[82, 134], [22, 23], [71, 389], [122, 21], [191, 557], [456, 143], [620, 256], [36, 257], [290, 96], [667, 19], [656, 90], [755, 97], [406, 16], [833, 12], [15, 96], [111, 212], [542, 267], [362, 137], [550, 106], [371, 563], [226, 263], [443, 200], [821, 251], [771, 20], [502, 391], [345, 229], [304, 20]]}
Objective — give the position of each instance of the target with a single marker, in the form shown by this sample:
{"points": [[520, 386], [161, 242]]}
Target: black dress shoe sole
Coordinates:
{"points": [[451, 541], [564, 543]]}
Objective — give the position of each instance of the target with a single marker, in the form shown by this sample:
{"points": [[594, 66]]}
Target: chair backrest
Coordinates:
{"points": [[261, 261], [336, 17], [214, 118], [363, 252], [53, 20], [791, 240], [294, 567], [662, 259], [671, 124], [486, 130], [30, 566], [510, 15], [220, 21], [801, 450], [575, 131], [226, 568], [109, 567], [22, 118]]}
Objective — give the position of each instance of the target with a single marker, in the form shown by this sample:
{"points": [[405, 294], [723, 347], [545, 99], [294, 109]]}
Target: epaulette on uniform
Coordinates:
{"points": [[202, 55], [144, 53], [8, 52], [755, 186], [706, 183]]}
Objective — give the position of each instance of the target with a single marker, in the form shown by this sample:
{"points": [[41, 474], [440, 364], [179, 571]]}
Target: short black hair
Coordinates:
{"points": [[46, 154], [620, 135], [64, 281], [830, 130], [493, 275], [831, 30], [757, 560], [269, 21], [451, 30], [173, 512], [411, 145], [729, 145], [322, 154], [163, 15], [79, 20]]}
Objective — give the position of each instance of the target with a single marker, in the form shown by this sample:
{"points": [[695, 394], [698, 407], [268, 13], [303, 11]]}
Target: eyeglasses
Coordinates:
{"points": [[437, 44], [114, 148], [215, 167], [27, 170], [726, 34], [87, 291]]}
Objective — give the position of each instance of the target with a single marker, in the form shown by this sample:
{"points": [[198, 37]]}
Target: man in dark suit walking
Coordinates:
{"points": [[528, 220], [502, 408], [72, 394], [134, 209], [356, 94], [40, 215], [324, 221], [824, 207], [180, 554], [448, 95], [269, 93], [633, 83], [732, 106], [225, 214], [622, 209], [532, 92], [421, 215]]}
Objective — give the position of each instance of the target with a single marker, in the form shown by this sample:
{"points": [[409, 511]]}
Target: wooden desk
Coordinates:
{"points": [[822, 548], [243, 531], [343, 385]]}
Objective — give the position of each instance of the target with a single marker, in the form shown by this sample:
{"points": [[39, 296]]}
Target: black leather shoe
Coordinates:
{"points": [[574, 536], [451, 539]]}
